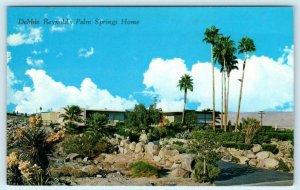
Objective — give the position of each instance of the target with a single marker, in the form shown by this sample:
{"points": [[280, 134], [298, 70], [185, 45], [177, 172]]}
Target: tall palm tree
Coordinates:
{"points": [[185, 83], [72, 114], [223, 50], [245, 45], [211, 37]]}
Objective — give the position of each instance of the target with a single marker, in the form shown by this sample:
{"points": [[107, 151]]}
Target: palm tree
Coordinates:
{"points": [[72, 115], [185, 83], [223, 50], [245, 45], [97, 124], [211, 37]]}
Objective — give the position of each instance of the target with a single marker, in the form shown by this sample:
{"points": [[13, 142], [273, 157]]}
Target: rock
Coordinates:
{"points": [[85, 159], [243, 159], [90, 170], [124, 142], [271, 163], [155, 150], [156, 158], [252, 162], [182, 173], [99, 176], [150, 148], [139, 147], [235, 152], [263, 155], [121, 149], [186, 162], [256, 148], [143, 137], [71, 157], [251, 156], [139, 156], [132, 146], [174, 166]]}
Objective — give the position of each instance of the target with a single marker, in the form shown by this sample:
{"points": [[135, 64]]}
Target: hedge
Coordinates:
{"points": [[241, 146], [270, 147]]}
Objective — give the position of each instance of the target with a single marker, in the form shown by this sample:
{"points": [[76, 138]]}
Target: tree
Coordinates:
{"points": [[250, 126], [245, 45], [204, 145], [211, 37], [72, 116], [185, 83], [96, 123], [223, 51]]}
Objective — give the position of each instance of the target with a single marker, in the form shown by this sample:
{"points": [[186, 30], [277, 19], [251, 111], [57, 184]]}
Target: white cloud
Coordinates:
{"points": [[34, 62], [36, 52], [48, 93], [85, 53], [60, 54], [46, 50], [268, 83], [8, 57], [25, 36], [63, 26]]}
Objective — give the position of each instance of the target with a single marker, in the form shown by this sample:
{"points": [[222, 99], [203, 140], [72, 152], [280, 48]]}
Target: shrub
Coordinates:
{"points": [[142, 169], [211, 171], [34, 147], [184, 135], [87, 144], [270, 147], [241, 146], [180, 149], [282, 166], [250, 126], [265, 137]]}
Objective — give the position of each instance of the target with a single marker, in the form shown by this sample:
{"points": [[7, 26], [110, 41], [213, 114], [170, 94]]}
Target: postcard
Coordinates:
{"points": [[150, 96]]}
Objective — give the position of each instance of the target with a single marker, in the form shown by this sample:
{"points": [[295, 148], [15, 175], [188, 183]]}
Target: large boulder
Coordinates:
{"points": [[143, 137], [150, 148], [251, 156], [155, 150], [132, 146], [186, 162], [271, 163], [256, 148], [139, 147], [242, 159], [263, 155], [124, 142], [253, 162]]}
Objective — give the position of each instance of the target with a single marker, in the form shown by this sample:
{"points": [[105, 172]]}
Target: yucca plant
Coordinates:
{"points": [[34, 147]]}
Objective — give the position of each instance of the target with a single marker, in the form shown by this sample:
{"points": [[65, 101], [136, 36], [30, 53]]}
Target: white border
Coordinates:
{"points": [[5, 3]]}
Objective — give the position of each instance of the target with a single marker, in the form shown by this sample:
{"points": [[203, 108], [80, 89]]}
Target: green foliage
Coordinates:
{"points": [[140, 118], [180, 148], [190, 120], [265, 137], [291, 153], [282, 166], [158, 133], [209, 174], [184, 135], [71, 117], [96, 123], [86, 144], [241, 146], [270, 147], [142, 169], [121, 130], [250, 127], [33, 146]]}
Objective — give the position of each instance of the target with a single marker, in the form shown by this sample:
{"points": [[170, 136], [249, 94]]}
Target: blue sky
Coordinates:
{"points": [[119, 56]]}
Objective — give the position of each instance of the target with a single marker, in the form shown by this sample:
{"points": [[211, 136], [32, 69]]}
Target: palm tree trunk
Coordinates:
{"points": [[225, 118], [222, 122], [182, 119], [240, 97], [213, 89], [227, 97]]}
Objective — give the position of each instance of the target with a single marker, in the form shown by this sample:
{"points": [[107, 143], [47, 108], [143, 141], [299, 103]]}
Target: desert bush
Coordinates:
{"points": [[180, 149], [250, 127], [282, 166], [241, 146], [34, 147], [291, 151], [184, 135], [86, 144], [142, 169], [265, 137], [270, 147], [210, 173]]}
